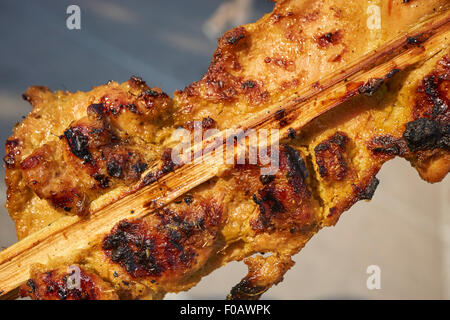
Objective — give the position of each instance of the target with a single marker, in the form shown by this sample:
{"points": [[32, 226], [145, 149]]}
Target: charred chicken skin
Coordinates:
{"points": [[76, 152]]}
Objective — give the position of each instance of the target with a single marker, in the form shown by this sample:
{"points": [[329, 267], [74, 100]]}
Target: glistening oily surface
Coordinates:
{"points": [[110, 135]]}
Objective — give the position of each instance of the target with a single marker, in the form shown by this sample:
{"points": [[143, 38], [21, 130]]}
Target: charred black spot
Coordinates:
{"points": [[175, 238], [168, 245], [149, 179], [135, 80], [102, 180], [444, 142], [431, 89], [51, 285], [235, 37], [9, 161], [114, 169], [188, 199], [423, 134], [296, 170], [32, 285], [331, 157], [79, 144], [266, 179], [245, 290], [274, 203], [168, 164], [329, 38], [119, 243], [332, 212], [386, 145], [208, 123], [269, 206], [340, 139], [139, 167], [115, 109], [132, 108], [417, 40], [392, 73], [12, 143], [412, 40], [12, 151], [292, 134], [316, 85], [279, 115], [369, 191], [151, 93], [187, 255], [96, 110], [62, 294], [248, 84], [26, 97], [371, 86]]}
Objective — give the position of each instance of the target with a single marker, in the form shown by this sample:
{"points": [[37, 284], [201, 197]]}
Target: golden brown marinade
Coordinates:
{"points": [[76, 152]]}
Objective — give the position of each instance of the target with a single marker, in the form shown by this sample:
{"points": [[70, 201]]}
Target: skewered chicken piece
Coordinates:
{"points": [[76, 152]]}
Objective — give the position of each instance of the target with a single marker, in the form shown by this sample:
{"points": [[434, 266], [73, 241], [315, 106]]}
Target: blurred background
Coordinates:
{"points": [[405, 230]]}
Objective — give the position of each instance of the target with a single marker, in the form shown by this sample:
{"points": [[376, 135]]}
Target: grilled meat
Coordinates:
{"points": [[62, 285], [76, 152]]}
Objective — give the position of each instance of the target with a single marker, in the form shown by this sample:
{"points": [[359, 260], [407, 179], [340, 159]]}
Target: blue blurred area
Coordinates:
{"points": [[162, 41]]}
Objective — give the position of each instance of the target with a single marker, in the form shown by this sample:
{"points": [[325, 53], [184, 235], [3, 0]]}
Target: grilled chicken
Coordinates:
{"points": [[76, 152]]}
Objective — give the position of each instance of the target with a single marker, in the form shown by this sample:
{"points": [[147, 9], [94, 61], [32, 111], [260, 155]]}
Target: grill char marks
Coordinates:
{"points": [[95, 153], [431, 125], [426, 134], [297, 173], [42, 173], [167, 165], [432, 99], [284, 200], [387, 146], [222, 84], [12, 147], [60, 284], [82, 136], [329, 39], [129, 246], [167, 246], [145, 106], [263, 273], [368, 192], [371, 86], [235, 35], [331, 157], [246, 290]]}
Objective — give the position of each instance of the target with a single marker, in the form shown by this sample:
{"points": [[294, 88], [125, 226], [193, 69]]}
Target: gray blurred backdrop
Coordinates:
{"points": [[404, 230]]}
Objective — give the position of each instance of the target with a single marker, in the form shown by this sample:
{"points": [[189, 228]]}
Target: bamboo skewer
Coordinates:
{"points": [[71, 233]]}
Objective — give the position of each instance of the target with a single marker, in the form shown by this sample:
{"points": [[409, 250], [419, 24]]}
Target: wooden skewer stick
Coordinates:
{"points": [[71, 233]]}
